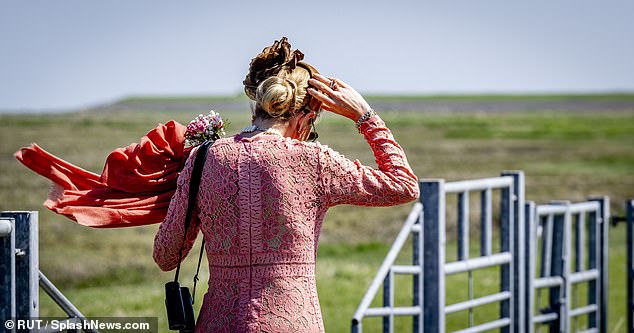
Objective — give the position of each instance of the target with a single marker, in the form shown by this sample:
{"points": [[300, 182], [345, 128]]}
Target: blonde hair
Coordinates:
{"points": [[283, 95]]}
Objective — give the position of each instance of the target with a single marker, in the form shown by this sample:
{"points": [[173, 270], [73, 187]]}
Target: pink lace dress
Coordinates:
{"points": [[260, 208]]}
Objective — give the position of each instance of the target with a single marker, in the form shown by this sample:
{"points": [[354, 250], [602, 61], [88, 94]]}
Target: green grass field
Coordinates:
{"points": [[565, 155]]}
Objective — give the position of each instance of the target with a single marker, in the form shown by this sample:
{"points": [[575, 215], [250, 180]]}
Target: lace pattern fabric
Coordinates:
{"points": [[260, 207]]}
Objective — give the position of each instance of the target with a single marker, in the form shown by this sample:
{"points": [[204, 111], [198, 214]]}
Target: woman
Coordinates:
{"points": [[264, 193]]}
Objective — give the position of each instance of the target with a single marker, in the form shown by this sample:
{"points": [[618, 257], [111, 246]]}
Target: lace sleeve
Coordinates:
{"points": [[348, 182], [169, 237]]}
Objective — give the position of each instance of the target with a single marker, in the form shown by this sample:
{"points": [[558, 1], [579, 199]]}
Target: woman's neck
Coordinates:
{"points": [[272, 126], [282, 127]]}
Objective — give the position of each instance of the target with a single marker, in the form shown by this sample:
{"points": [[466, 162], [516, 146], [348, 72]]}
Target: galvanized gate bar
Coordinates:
{"points": [[402, 269], [583, 310], [503, 296], [584, 276], [58, 297], [386, 311], [478, 263], [478, 184], [559, 207], [547, 317], [548, 282]]}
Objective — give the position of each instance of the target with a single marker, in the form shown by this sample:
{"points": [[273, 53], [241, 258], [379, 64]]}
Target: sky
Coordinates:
{"points": [[72, 54]]}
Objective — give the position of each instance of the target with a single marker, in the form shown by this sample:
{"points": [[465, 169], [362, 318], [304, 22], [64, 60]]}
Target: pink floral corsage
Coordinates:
{"points": [[203, 128]]}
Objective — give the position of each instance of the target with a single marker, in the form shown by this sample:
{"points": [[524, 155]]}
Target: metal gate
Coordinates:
{"points": [[568, 241], [559, 248], [428, 297], [509, 257]]}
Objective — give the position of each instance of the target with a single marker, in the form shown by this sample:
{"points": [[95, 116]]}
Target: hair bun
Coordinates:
{"points": [[277, 97]]}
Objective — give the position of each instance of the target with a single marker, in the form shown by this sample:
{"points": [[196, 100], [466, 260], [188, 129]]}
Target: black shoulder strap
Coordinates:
{"points": [[194, 185]]}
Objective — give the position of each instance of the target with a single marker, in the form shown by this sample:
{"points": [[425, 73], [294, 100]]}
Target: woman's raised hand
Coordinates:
{"points": [[338, 97]]}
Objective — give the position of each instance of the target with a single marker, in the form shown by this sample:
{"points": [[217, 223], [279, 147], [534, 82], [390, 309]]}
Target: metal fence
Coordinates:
{"points": [[428, 297], [566, 243], [508, 258], [20, 277]]}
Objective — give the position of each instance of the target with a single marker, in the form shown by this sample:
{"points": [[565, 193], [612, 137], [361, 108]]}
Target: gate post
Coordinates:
{"points": [[433, 199], [26, 263], [530, 246], [604, 202], [519, 283], [7, 268]]}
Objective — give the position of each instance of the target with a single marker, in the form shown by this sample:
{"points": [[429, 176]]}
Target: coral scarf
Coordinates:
{"points": [[135, 187]]}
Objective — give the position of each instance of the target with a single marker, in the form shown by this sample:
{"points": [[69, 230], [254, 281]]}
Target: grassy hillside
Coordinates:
{"points": [[565, 155]]}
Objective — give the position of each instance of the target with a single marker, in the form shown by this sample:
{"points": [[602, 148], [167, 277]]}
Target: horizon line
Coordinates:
{"points": [[131, 98]]}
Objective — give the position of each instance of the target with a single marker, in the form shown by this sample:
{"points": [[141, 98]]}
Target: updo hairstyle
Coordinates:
{"points": [[283, 95], [277, 81]]}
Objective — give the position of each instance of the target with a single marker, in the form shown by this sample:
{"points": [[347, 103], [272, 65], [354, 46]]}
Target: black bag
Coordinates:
{"points": [[178, 301]]}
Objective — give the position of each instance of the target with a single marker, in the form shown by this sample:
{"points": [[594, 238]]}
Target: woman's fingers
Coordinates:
{"points": [[321, 86], [326, 95], [326, 80], [321, 97], [341, 83], [321, 78], [342, 100]]}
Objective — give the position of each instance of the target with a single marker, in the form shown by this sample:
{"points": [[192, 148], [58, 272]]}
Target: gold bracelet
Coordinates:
{"points": [[365, 117]]}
